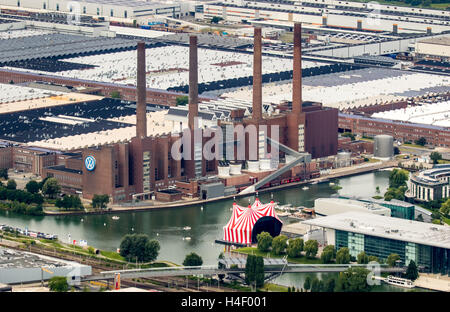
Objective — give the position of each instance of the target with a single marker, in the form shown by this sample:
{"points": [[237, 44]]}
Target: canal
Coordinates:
{"points": [[166, 225]]}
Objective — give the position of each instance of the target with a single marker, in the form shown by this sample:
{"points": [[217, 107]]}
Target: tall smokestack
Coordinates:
{"points": [[193, 81], [257, 75], [141, 107], [297, 75]]}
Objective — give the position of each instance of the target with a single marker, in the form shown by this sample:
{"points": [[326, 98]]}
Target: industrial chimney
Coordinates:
{"points": [[297, 74], [141, 105], [257, 76], [193, 82]]}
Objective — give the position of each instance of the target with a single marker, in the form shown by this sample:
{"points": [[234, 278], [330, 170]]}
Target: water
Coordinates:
{"points": [[167, 225]]}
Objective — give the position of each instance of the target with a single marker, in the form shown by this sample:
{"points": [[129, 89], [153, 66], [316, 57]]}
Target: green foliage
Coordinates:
{"points": [[32, 187], [11, 184], [69, 202], [115, 95], [398, 177], [349, 134], [51, 187], [421, 141], [58, 284], [411, 272], [445, 208], [395, 193], [216, 19], [315, 285], [343, 256], [139, 247], [329, 285], [374, 259], [362, 258], [295, 247], [264, 241], [254, 271], [279, 244], [311, 248], [182, 100], [328, 254], [307, 283], [353, 280], [4, 173], [435, 157], [100, 201], [392, 259], [192, 259]]}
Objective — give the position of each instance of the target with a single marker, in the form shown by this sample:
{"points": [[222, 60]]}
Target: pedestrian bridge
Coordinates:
{"points": [[214, 270]]}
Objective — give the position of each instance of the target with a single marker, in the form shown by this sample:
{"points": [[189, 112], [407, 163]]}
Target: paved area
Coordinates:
{"points": [[434, 282]]}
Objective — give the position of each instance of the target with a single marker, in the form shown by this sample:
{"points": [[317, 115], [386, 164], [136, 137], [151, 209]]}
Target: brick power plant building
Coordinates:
{"points": [[144, 166]]}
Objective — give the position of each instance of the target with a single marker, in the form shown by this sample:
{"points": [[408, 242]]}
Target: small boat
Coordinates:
{"points": [[186, 238], [398, 281], [115, 218], [305, 188], [331, 184], [187, 228]]}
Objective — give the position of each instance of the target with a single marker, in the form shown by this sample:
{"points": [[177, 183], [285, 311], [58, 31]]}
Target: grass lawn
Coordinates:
{"points": [[373, 160], [255, 251], [274, 288], [413, 145], [443, 161], [112, 255], [446, 220]]}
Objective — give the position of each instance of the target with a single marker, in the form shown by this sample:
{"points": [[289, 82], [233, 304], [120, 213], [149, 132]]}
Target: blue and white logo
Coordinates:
{"points": [[89, 162]]}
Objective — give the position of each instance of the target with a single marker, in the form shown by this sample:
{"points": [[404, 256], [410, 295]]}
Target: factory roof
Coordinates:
{"points": [[437, 40], [387, 227], [125, 3], [437, 114], [10, 258]]}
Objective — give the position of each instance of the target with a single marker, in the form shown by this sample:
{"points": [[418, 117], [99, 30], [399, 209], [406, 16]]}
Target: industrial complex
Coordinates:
{"points": [[182, 104]]}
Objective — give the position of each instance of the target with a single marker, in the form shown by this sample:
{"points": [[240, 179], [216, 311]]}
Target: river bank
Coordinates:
{"points": [[335, 174]]}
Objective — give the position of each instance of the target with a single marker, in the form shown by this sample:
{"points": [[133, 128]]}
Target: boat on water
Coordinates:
{"points": [[115, 218], [305, 188], [186, 238], [187, 228], [398, 281]]}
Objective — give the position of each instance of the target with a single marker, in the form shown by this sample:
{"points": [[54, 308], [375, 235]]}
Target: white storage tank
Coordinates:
{"points": [[383, 147]]}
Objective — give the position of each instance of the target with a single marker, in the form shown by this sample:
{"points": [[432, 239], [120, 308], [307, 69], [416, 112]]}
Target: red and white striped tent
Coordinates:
{"points": [[239, 228]]}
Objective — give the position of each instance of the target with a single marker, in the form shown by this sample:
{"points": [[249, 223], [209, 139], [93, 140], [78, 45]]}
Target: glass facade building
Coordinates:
{"points": [[431, 259]]}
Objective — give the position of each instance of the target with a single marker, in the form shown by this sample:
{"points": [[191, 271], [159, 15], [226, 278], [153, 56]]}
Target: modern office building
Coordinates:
{"points": [[428, 245], [431, 184], [332, 206]]}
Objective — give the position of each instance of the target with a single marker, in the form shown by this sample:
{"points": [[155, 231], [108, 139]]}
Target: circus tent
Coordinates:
{"points": [[246, 222]]}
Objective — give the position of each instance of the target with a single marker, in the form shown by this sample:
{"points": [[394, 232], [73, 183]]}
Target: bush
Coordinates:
{"points": [[58, 284], [311, 248], [139, 247], [343, 256], [192, 259], [295, 247], [279, 244], [264, 241], [11, 185]]}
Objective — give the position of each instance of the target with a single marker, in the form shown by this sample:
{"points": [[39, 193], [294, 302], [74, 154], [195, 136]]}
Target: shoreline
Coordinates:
{"points": [[189, 203]]}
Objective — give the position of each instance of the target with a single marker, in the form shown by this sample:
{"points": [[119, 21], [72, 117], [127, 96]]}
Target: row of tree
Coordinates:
{"points": [[280, 245]]}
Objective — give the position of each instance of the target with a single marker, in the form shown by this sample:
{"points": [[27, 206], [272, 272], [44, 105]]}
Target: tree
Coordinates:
{"points": [[216, 19], [373, 259], [100, 201], [328, 254], [412, 272], [362, 258], [311, 248], [397, 193], [279, 244], [398, 177], [254, 271], [139, 247], [349, 135], [421, 141], [51, 187], [307, 283], [295, 247], [69, 202], [435, 157], [315, 285], [353, 280], [329, 284], [115, 95], [182, 100], [445, 208], [11, 185], [392, 259], [193, 259], [4, 173], [32, 187], [58, 284], [264, 241], [343, 256]]}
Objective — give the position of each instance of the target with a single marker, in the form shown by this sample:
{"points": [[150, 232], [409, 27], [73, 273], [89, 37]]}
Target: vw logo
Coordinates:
{"points": [[89, 162]]}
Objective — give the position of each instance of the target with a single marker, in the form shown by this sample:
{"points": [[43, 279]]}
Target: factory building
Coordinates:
{"points": [[434, 48]]}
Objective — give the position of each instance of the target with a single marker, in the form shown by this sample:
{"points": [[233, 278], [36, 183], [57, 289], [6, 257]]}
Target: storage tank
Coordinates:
{"points": [[383, 147], [253, 165], [343, 159], [235, 169]]}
